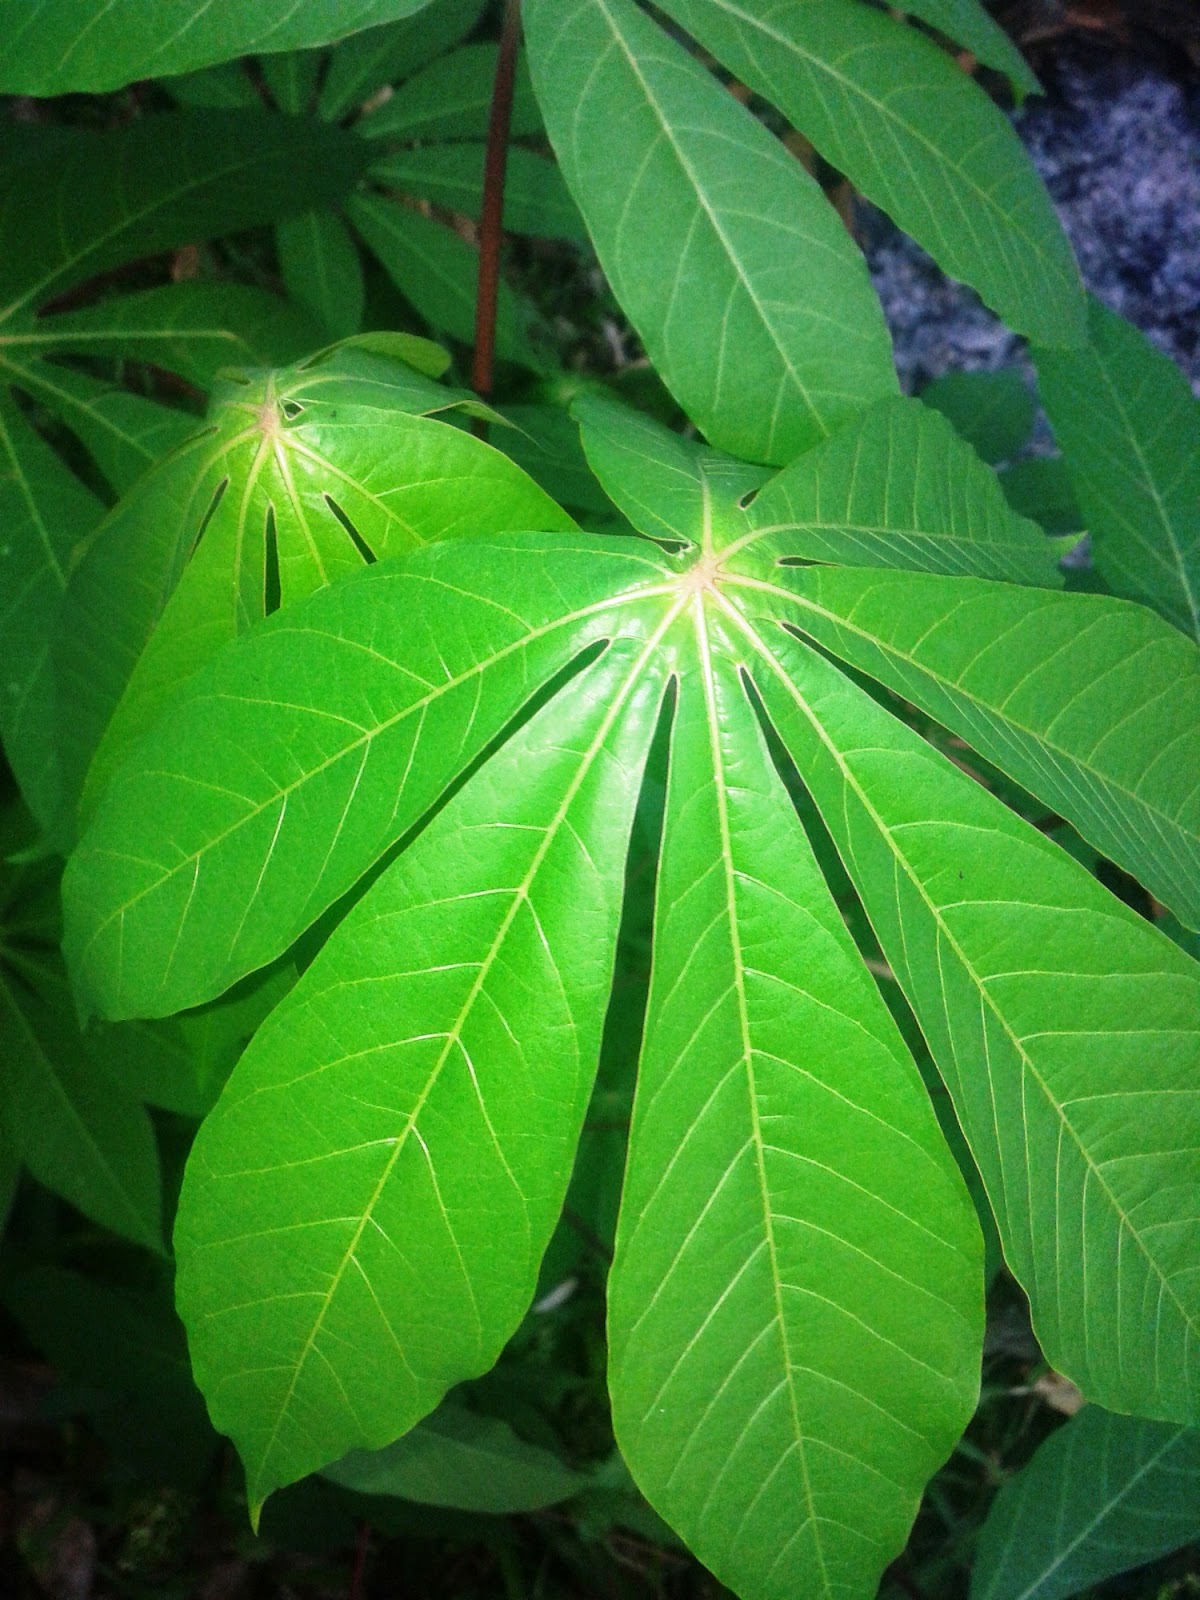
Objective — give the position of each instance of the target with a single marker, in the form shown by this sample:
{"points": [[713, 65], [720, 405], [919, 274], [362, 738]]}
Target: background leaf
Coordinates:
{"points": [[1103, 1494], [438, 273], [365, 61], [320, 266], [69, 46], [1129, 428], [993, 411], [162, 181], [456, 1457], [75, 1129], [759, 316], [968, 24], [910, 129]]}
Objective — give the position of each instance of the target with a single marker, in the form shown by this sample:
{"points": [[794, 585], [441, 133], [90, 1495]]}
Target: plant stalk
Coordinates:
{"points": [[490, 229]]}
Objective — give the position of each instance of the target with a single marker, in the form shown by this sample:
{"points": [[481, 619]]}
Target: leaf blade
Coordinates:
{"points": [[1091, 704], [796, 352], [447, 1109], [435, 698], [912, 131], [1103, 1494], [1129, 428], [795, 1305], [1011, 1005]]}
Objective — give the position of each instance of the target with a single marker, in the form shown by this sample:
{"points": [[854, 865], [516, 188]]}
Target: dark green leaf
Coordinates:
{"points": [[1129, 428], [457, 1458], [992, 411], [1103, 1494], [63, 46]]}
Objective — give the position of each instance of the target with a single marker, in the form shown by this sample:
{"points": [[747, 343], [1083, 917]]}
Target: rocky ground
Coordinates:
{"points": [[1117, 141]]}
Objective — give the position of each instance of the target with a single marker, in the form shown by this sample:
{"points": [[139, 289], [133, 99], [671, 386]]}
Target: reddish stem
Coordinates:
{"points": [[495, 161], [360, 1561]]}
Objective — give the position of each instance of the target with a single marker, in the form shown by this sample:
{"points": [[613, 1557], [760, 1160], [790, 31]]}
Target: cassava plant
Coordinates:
{"points": [[346, 694]]}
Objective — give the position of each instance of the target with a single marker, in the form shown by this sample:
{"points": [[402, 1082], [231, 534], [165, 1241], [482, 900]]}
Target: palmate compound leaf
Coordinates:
{"points": [[910, 129], [1105, 1255], [753, 301], [298, 476]]}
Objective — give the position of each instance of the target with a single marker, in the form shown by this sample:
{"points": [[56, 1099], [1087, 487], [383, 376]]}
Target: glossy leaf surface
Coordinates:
{"points": [[909, 128], [1129, 428], [1063, 1024], [757, 314], [438, 1115], [792, 1224], [1103, 1494]]}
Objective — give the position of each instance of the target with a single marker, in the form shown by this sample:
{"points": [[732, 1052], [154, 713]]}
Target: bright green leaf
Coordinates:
{"points": [[1063, 1024], [1092, 704], [669, 488], [303, 475], [899, 488], [346, 1196], [796, 1300], [758, 313], [235, 887]]}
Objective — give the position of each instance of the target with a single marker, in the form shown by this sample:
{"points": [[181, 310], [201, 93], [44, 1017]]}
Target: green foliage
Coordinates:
{"points": [[61, 46], [1103, 1494], [84, 205], [437, 859], [1127, 423]]}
